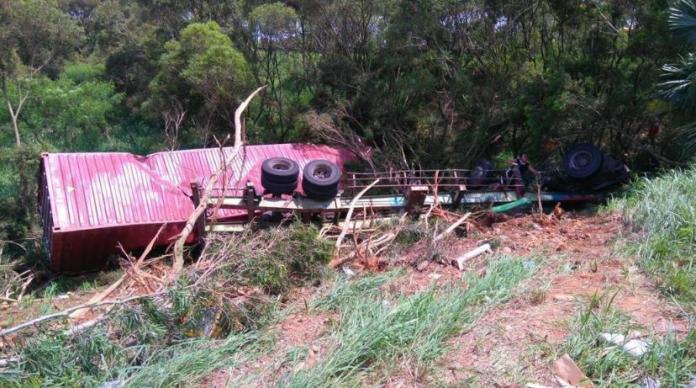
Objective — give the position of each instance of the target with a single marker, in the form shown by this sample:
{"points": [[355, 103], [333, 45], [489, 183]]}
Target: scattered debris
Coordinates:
{"points": [[66, 313], [349, 272], [692, 383], [568, 373], [485, 248], [633, 346]]}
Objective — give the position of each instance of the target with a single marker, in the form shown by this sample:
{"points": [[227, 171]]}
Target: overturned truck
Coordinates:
{"points": [[94, 205]]}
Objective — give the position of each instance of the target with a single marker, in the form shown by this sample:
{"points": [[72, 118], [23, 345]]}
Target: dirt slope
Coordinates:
{"points": [[515, 342]]}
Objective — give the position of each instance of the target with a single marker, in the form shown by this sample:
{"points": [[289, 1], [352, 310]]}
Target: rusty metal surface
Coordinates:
{"points": [[90, 202]]}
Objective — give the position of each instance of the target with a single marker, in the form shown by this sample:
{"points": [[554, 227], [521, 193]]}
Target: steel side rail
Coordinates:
{"points": [[376, 202]]}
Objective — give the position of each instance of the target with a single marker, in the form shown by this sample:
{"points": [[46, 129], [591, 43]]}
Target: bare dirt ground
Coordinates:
{"points": [[514, 343]]}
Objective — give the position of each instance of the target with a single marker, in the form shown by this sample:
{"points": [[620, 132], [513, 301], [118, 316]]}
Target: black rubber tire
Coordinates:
{"points": [[280, 170], [480, 174], [321, 196], [582, 161], [278, 188], [320, 179]]}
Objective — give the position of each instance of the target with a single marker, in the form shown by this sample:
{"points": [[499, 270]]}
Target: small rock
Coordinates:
{"points": [[636, 347], [568, 373], [562, 297], [613, 338], [692, 383], [423, 265], [507, 250], [649, 382], [113, 384]]}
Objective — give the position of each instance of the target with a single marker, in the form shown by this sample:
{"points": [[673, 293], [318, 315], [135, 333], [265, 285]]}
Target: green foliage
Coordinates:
{"points": [[75, 115], [273, 21], [682, 19], [678, 86], [201, 74], [37, 34], [277, 259], [189, 361], [84, 360]]}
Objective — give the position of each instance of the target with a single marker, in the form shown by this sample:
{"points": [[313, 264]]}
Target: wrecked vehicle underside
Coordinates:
{"points": [[93, 205]]}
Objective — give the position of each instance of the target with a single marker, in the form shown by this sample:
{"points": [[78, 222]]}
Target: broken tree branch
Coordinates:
{"points": [[350, 213], [66, 313], [178, 264], [452, 227], [102, 295]]}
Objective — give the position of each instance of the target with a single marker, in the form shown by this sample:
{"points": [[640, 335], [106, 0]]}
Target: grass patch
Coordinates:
{"points": [[669, 361], [375, 330], [186, 363], [663, 211]]}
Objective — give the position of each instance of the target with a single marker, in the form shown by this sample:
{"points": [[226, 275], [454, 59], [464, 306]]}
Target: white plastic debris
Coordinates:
{"points": [[349, 272], [616, 339], [635, 347]]}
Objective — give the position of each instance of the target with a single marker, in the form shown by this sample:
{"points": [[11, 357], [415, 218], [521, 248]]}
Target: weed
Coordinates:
{"points": [[375, 330], [662, 209], [274, 259], [668, 360], [186, 362]]}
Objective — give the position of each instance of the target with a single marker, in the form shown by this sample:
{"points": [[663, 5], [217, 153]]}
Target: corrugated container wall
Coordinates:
{"points": [[90, 203]]}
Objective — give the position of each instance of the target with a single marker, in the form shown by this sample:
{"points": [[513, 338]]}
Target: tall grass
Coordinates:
{"points": [[375, 330], [668, 360], [186, 363], [663, 211]]}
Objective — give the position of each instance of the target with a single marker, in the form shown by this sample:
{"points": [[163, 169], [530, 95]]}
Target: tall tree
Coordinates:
{"points": [[202, 74], [36, 37]]}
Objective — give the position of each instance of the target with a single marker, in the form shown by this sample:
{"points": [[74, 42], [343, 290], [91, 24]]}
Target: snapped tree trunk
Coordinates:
{"points": [[178, 264]]}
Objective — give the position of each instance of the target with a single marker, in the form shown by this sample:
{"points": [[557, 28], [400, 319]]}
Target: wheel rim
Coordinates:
{"points": [[581, 160], [322, 172], [281, 166]]}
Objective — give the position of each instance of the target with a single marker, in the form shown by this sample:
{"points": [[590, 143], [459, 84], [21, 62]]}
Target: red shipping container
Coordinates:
{"points": [[92, 202]]}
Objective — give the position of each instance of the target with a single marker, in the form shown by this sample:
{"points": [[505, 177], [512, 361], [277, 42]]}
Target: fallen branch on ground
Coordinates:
{"points": [[136, 268], [452, 227], [471, 254], [66, 313], [178, 264]]}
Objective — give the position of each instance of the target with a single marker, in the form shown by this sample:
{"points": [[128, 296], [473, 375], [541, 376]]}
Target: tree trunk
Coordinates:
{"points": [[15, 118]]}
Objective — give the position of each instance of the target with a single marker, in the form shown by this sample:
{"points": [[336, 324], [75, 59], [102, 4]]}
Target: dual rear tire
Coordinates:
{"points": [[319, 181], [279, 175]]}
